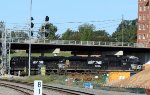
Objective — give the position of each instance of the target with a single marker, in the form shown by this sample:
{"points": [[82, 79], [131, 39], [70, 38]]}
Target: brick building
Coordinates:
{"points": [[143, 32]]}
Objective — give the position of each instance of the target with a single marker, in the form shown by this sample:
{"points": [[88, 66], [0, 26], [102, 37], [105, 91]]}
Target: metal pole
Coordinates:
{"points": [[44, 33], [122, 30], [9, 54], [5, 50], [30, 39], [9, 59]]}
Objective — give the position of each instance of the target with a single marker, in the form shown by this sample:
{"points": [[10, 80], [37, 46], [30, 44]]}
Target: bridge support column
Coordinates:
{"points": [[75, 54], [42, 54], [89, 54], [145, 58]]}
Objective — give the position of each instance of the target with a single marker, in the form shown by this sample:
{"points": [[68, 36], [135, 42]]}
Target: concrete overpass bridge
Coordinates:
{"points": [[83, 47], [65, 45]]}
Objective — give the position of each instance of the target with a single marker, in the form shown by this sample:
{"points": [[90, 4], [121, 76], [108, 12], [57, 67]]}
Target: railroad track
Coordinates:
{"points": [[53, 88], [23, 90], [72, 92]]}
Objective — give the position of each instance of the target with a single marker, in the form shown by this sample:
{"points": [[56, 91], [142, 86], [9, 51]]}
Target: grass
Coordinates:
{"points": [[23, 53], [56, 79], [59, 80]]}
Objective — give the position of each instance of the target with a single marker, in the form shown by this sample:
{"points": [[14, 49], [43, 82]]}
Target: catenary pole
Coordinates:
{"points": [[122, 30]]}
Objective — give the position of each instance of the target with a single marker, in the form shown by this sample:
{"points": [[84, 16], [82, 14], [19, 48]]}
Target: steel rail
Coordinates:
{"points": [[58, 89], [17, 88]]}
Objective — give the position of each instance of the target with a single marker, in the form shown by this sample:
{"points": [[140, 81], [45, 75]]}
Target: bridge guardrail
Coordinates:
{"points": [[85, 43]]}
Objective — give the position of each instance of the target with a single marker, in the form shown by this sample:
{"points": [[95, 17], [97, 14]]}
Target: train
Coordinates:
{"points": [[61, 64]]}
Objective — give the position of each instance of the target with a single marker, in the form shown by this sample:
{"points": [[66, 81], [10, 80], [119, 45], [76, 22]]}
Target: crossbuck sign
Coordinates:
{"points": [[38, 87]]}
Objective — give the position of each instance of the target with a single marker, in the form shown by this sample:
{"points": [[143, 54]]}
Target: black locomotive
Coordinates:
{"points": [[75, 64]]}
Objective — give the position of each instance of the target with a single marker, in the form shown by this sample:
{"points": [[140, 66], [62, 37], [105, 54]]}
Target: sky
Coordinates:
{"points": [[104, 14]]}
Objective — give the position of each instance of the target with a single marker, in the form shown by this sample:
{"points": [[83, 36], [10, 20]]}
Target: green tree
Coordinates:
{"points": [[101, 35], [126, 31], [51, 30], [70, 35], [86, 32]]}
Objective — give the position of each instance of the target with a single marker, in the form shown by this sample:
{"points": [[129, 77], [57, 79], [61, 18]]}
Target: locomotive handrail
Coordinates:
{"points": [[75, 42]]}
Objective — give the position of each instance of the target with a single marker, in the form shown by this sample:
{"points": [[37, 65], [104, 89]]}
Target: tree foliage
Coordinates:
{"points": [[101, 35], [50, 30], [126, 31], [71, 35], [86, 32]]}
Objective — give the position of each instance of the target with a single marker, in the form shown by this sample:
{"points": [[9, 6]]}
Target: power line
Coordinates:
{"points": [[96, 21], [122, 28], [72, 22], [110, 26]]}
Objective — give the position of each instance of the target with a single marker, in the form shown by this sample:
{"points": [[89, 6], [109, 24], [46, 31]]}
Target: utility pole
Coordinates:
{"points": [[122, 29], [30, 39]]}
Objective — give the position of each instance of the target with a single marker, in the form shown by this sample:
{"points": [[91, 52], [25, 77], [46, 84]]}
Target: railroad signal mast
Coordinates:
{"points": [[44, 29], [46, 26], [30, 33], [32, 25]]}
